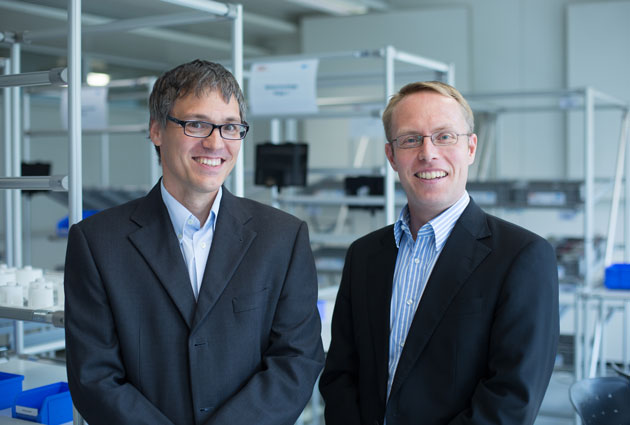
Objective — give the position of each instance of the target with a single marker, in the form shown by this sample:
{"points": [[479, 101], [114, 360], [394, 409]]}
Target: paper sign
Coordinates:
{"points": [[283, 87], [94, 108]]}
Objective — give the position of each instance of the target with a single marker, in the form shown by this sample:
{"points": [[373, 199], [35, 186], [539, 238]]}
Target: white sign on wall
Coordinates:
{"points": [[94, 108], [283, 87]]}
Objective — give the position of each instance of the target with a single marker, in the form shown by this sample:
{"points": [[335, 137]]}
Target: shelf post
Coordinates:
{"points": [[589, 184], [74, 112], [237, 69], [390, 52], [8, 196]]}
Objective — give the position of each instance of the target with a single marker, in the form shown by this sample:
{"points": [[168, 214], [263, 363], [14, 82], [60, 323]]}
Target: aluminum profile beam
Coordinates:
{"points": [[390, 56], [54, 183], [420, 61], [16, 164], [160, 34], [8, 198], [236, 11], [56, 76], [116, 129], [55, 318], [619, 171], [124, 25], [75, 170]]}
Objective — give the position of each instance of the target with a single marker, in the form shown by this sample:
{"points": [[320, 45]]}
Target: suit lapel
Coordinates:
{"points": [[229, 245], [460, 256], [380, 272], [156, 241]]}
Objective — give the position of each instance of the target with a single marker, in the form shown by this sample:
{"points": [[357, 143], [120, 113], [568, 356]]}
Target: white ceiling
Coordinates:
{"points": [[270, 27]]}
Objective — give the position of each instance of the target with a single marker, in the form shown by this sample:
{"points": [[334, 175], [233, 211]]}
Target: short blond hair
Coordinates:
{"points": [[431, 86]]}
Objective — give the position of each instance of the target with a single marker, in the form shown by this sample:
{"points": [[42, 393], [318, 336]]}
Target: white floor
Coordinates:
{"points": [[556, 408]]}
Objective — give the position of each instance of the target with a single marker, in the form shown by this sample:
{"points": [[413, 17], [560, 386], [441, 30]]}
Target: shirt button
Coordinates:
{"points": [[409, 302], [190, 221], [203, 244], [416, 260], [402, 344], [180, 236]]}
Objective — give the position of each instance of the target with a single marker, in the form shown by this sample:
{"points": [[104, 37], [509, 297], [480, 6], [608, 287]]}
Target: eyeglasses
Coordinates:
{"points": [[442, 138], [202, 129]]}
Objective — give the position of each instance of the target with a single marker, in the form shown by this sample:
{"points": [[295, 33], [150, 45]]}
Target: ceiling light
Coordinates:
{"points": [[97, 79], [335, 7]]}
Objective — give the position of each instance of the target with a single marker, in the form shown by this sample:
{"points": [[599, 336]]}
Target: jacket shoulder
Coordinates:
{"points": [[268, 215], [110, 218]]}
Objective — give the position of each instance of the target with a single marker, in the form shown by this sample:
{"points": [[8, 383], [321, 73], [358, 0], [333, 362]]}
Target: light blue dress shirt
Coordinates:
{"points": [[194, 240], [414, 264]]}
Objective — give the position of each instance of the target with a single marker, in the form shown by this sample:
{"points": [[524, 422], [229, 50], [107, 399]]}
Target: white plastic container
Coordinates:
{"points": [[6, 276], [12, 295], [56, 278], [28, 274], [40, 294]]}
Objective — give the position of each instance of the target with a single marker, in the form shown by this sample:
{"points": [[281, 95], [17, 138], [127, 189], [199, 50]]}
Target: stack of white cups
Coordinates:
{"points": [[10, 291], [40, 294], [27, 286], [25, 275], [56, 279]]}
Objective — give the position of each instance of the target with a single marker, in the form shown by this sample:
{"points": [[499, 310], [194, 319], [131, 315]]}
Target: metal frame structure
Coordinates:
{"points": [[13, 128], [390, 56], [587, 294]]}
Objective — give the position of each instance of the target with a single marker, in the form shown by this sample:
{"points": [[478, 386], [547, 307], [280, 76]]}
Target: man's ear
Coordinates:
{"points": [[155, 133], [389, 152], [472, 148]]}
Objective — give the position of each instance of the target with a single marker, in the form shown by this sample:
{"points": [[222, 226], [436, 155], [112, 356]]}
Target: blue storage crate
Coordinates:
{"points": [[50, 404], [10, 387], [617, 276]]}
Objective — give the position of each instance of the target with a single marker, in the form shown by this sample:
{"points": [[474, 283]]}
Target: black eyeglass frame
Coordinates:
{"points": [[433, 137], [183, 123]]}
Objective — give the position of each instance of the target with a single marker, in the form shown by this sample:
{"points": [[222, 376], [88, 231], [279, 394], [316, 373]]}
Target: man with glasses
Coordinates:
{"points": [[450, 315], [190, 305]]}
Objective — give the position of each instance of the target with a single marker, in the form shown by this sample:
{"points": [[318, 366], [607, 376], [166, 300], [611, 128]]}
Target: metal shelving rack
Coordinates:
{"points": [[390, 57], [14, 183], [586, 100]]}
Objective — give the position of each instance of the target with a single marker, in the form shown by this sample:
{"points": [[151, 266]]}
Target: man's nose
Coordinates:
{"points": [[213, 140], [427, 149]]}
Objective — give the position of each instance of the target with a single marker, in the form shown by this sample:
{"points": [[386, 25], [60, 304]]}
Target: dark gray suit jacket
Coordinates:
{"points": [[481, 347], [140, 350]]}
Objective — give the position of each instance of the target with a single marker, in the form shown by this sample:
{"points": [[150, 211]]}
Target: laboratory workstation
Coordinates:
{"points": [[314, 212]]}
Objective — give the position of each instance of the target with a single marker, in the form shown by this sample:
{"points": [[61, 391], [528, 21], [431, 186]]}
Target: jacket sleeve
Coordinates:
{"points": [[96, 373], [291, 363], [523, 342], [339, 381]]}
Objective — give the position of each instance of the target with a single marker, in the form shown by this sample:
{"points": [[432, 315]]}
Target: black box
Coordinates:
{"points": [[281, 164]]}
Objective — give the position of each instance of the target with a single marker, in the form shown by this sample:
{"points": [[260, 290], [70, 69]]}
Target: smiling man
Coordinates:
{"points": [[190, 305], [450, 315]]}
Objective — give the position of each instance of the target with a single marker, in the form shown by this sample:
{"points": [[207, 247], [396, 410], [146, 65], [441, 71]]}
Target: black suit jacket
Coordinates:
{"points": [[482, 344], [140, 350]]}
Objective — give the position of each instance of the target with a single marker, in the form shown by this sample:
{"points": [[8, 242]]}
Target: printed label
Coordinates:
{"points": [[29, 411]]}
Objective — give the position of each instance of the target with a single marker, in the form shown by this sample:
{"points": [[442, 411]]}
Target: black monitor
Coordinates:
{"points": [[281, 165]]}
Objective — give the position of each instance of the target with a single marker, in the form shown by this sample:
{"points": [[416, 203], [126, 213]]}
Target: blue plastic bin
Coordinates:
{"points": [[617, 276], [10, 387], [62, 225], [50, 404]]}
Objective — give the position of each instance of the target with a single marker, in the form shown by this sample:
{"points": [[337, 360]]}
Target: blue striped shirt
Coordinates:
{"points": [[414, 264], [194, 240]]}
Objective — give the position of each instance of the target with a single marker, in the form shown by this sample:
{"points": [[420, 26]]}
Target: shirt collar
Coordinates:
{"points": [[179, 214], [442, 224]]}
